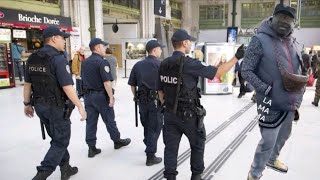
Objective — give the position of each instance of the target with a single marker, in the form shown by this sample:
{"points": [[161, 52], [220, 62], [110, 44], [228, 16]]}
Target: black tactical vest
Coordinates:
{"points": [[44, 83], [169, 73]]}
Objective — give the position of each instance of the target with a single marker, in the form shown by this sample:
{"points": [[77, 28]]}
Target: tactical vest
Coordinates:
{"points": [[44, 84], [187, 98]]}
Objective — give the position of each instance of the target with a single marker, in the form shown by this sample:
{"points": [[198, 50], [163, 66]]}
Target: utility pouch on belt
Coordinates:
{"points": [[153, 94], [201, 113], [68, 108], [188, 114]]}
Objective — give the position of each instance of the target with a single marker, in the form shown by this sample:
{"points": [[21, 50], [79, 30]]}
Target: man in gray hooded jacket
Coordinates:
{"points": [[271, 52]]}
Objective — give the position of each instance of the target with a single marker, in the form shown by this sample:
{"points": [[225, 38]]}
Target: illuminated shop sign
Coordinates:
{"points": [[9, 17]]}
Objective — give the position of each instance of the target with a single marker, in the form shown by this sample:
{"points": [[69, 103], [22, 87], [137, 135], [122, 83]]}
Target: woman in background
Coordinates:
{"points": [[76, 69]]}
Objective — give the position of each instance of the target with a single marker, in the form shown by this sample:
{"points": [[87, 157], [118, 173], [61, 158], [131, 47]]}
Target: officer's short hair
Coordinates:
{"points": [[92, 48], [177, 44], [149, 51], [46, 40]]}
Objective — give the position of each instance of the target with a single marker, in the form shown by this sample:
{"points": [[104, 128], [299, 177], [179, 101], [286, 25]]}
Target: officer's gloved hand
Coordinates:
{"points": [[296, 115], [240, 52], [135, 99]]}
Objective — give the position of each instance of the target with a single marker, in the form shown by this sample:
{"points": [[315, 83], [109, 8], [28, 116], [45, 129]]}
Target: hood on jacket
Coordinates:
{"points": [[266, 28]]}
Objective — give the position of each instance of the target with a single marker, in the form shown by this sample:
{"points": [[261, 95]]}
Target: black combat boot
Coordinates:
{"points": [[196, 177], [151, 160], [171, 177], [67, 171], [42, 175], [121, 142], [315, 104], [241, 94], [93, 151]]}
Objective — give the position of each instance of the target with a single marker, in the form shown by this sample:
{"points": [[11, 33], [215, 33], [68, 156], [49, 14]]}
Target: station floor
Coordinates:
{"points": [[232, 136]]}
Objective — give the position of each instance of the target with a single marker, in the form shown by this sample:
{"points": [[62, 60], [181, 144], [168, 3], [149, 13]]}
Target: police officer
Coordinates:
{"points": [[49, 81], [183, 112], [98, 98], [316, 75], [145, 74]]}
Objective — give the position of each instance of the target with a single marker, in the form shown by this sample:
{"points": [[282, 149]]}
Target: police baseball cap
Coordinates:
{"points": [[181, 35], [287, 10], [96, 41], [153, 44], [54, 31]]}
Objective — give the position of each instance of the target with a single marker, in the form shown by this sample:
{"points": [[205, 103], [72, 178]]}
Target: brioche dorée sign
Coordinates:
{"points": [[31, 19]]}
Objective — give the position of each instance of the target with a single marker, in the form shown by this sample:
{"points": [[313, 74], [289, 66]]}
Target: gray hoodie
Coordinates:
{"points": [[260, 68]]}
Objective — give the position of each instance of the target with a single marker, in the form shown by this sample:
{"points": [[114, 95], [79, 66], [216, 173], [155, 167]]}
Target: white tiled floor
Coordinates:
{"points": [[22, 147]]}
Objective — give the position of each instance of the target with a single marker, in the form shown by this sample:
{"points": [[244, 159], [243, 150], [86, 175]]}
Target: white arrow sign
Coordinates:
{"points": [[160, 11]]}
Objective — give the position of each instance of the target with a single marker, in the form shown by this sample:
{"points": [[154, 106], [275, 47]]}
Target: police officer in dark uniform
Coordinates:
{"points": [[98, 97], [183, 112], [145, 74], [49, 81]]}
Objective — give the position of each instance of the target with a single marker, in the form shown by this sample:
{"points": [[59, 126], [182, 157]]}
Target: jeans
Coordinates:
{"points": [[59, 129], [19, 68], [270, 145], [96, 103], [79, 87]]}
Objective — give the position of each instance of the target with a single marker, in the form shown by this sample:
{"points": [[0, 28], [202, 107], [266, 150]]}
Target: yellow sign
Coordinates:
{"points": [[316, 47], [4, 82]]}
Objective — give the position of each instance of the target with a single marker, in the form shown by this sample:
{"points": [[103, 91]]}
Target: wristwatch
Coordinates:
{"points": [[26, 103]]}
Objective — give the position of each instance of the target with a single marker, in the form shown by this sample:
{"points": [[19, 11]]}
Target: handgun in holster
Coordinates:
{"points": [[68, 108], [201, 113]]}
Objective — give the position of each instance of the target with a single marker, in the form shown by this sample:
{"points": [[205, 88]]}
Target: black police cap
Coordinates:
{"points": [[96, 41], [181, 35], [54, 31], [153, 44], [281, 8]]}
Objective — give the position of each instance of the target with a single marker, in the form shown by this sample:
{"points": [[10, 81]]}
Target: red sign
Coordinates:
{"points": [[25, 19]]}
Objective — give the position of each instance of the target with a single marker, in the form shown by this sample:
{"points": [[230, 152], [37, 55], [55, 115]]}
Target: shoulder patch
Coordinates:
{"points": [[107, 69], [68, 68]]}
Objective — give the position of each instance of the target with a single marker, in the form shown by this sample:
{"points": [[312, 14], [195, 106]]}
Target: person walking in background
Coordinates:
{"points": [[76, 69], [17, 52], [113, 65], [316, 75], [314, 60], [270, 60], [307, 65]]}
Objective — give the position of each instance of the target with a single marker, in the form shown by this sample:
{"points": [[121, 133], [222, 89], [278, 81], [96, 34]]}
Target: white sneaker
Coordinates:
{"points": [[250, 177]]}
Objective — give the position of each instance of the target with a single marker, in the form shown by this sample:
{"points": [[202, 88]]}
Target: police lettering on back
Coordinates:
{"points": [[37, 69], [169, 79]]}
